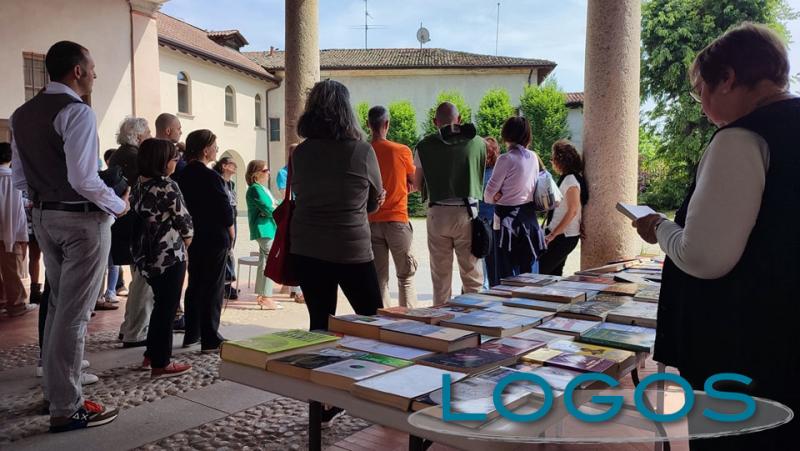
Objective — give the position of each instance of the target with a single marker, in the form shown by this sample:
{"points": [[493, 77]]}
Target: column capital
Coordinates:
{"points": [[146, 7]]}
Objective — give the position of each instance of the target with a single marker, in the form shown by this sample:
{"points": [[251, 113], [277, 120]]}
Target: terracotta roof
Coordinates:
{"points": [[574, 99], [409, 58], [187, 38]]}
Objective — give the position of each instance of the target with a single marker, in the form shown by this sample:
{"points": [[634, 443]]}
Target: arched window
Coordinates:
{"points": [[230, 104], [259, 122], [184, 94]]}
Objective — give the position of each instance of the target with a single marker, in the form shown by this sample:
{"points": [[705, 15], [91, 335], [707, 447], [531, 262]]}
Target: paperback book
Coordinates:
{"points": [[635, 313], [256, 351], [512, 347], [359, 325], [470, 360], [648, 293], [426, 315], [550, 294], [379, 347], [541, 355], [427, 336], [569, 326], [475, 300], [581, 286], [535, 304], [542, 335], [299, 366], [491, 323], [624, 361], [589, 310], [344, 374], [541, 315], [582, 363], [632, 338], [398, 388]]}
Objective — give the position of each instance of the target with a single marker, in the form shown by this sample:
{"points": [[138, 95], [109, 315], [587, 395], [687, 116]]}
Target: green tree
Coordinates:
{"points": [[494, 109], [544, 106], [456, 99], [673, 31], [403, 128], [362, 110]]}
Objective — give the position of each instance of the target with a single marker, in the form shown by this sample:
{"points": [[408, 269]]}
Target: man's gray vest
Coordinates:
{"points": [[41, 149]]}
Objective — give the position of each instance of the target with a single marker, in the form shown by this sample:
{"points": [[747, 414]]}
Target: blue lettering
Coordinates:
{"points": [[749, 402], [497, 397], [447, 413], [688, 393], [615, 401]]}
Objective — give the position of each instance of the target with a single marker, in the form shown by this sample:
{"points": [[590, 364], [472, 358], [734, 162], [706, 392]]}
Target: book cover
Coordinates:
{"points": [[487, 319], [607, 279], [403, 384], [317, 359], [542, 335], [625, 277], [427, 330], [256, 351], [428, 315], [469, 360], [541, 355], [342, 374], [535, 304], [530, 313], [568, 325], [475, 300], [512, 347], [648, 293], [475, 394], [589, 310], [581, 286], [530, 279], [582, 363], [558, 378], [385, 360], [632, 338], [576, 347], [455, 310], [625, 289], [635, 313], [379, 347], [377, 321], [634, 212], [550, 294], [496, 293], [359, 325]]}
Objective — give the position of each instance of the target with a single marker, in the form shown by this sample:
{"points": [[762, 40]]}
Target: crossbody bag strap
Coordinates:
{"points": [[288, 194]]}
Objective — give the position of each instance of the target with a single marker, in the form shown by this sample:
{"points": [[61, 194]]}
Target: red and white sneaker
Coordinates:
{"points": [[145, 364], [171, 370]]}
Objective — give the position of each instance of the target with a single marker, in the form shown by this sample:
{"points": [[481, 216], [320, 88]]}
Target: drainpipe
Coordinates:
{"points": [[269, 163], [133, 64]]}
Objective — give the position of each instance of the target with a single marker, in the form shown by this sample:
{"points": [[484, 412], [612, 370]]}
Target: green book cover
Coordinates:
{"points": [[282, 341], [386, 360], [632, 338]]}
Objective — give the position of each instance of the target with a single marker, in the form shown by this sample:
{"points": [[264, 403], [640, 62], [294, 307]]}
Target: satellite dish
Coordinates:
{"points": [[423, 35]]}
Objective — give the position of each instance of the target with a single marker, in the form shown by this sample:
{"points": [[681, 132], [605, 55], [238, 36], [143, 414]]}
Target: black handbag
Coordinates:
{"points": [[481, 234]]}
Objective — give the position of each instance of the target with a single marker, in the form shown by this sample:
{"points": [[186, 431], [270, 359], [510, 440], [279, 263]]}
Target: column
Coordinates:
{"points": [[145, 68], [302, 60], [611, 128]]}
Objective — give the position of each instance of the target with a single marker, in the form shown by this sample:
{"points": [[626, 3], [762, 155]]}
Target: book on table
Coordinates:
{"points": [[299, 366], [632, 338], [359, 325], [379, 347], [634, 212], [530, 279], [541, 315], [626, 277], [344, 374], [426, 315], [491, 323], [256, 351], [607, 269], [503, 290], [427, 336], [558, 378], [542, 335], [476, 395], [624, 360], [512, 347], [581, 286], [550, 294], [589, 310], [603, 279], [582, 363], [469, 360], [648, 293], [624, 289], [455, 310], [570, 326], [398, 388], [475, 300], [635, 313], [535, 304], [540, 355]]}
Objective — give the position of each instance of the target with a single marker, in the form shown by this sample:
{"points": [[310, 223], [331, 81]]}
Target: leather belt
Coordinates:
{"points": [[83, 207]]}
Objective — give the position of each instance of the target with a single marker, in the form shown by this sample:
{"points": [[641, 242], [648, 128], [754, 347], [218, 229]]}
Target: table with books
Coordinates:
{"points": [[386, 367]]}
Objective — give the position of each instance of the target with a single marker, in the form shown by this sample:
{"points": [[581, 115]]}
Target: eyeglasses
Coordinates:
{"points": [[697, 93], [264, 170]]}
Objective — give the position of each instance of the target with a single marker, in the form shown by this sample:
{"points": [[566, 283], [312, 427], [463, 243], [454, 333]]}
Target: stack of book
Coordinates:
{"points": [[257, 351]]}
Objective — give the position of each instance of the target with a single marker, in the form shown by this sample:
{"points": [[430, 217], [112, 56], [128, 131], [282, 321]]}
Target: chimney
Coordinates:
{"points": [[271, 51]]}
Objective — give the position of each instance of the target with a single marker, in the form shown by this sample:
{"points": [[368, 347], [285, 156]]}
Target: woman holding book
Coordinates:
{"points": [[336, 181], [163, 233], [260, 205], [511, 189], [563, 228], [734, 242]]}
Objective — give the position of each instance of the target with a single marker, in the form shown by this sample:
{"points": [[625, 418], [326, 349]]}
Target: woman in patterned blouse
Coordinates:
{"points": [[164, 231]]}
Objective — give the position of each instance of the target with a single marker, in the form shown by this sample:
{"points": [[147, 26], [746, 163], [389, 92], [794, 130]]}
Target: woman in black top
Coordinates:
{"points": [[210, 207]]}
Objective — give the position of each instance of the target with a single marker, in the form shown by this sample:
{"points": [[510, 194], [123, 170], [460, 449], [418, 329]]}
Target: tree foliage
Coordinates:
{"points": [[456, 99], [403, 129], [494, 109], [362, 111], [673, 31], [544, 107]]}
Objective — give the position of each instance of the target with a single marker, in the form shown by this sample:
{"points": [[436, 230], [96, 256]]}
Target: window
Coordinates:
{"points": [[184, 106], [230, 105], [259, 123], [274, 129], [35, 74]]}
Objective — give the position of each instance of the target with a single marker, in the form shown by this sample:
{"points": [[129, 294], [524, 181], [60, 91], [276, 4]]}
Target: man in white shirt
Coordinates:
{"points": [[13, 240], [55, 158]]}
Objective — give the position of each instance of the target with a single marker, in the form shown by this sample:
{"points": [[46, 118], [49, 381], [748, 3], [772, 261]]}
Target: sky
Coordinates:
{"points": [[544, 29]]}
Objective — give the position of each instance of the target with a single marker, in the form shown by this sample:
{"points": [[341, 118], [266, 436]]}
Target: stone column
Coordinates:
{"points": [[302, 60], [611, 125], [145, 68]]}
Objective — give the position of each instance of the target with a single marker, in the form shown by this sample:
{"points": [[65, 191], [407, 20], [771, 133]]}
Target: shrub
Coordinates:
{"points": [[456, 99], [494, 109], [544, 106]]}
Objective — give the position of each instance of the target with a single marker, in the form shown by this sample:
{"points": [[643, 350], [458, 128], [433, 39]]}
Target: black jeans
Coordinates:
{"points": [[203, 297], [167, 288], [553, 260], [320, 279]]}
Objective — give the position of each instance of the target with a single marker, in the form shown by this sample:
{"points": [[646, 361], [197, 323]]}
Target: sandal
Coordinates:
{"points": [[298, 297], [268, 304]]}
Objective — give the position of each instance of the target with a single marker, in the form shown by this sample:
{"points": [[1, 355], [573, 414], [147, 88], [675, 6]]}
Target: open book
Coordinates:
{"points": [[634, 212]]}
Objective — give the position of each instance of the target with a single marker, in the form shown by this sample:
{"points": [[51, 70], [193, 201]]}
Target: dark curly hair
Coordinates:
{"points": [[566, 156], [328, 114]]}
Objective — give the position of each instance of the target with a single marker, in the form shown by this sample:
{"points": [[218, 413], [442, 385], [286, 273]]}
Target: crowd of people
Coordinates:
{"points": [[350, 214]]}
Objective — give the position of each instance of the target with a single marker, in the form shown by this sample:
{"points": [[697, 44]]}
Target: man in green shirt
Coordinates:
{"points": [[450, 163]]}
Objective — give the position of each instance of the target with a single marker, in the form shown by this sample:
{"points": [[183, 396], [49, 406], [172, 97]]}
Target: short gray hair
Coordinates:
{"points": [[130, 129], [377, 116]]}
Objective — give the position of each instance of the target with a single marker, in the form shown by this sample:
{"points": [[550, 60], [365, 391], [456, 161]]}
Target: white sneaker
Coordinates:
{"points": [[84, 364], [112, 299], [88, 378]]}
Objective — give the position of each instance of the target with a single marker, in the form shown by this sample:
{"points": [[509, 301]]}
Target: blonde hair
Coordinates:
{"points": [[253, 168]]}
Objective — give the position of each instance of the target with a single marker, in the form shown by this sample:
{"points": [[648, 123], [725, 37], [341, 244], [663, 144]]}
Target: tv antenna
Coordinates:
{"points": [[497, 33], [366, 27], [423, 35]]}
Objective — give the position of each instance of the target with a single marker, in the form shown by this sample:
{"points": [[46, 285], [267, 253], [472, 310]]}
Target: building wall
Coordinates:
{"points": [[34, 25], [575, 123], [241, 139]]}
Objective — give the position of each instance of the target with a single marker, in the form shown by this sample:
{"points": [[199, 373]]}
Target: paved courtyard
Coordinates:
{"points": [[197, 411]]}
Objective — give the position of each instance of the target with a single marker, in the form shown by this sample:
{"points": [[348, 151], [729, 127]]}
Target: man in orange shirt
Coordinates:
{"points": [[391, 230]]}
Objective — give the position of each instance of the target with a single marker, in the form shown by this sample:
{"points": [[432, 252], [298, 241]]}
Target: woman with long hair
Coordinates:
{"points": [[486, 212], [226, 167], [210, 207], [260, 205], [563, 229]]}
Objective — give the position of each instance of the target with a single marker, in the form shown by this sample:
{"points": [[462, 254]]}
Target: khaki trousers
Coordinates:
{"points": [[449, 230], [395, 237], [12, 291]]}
